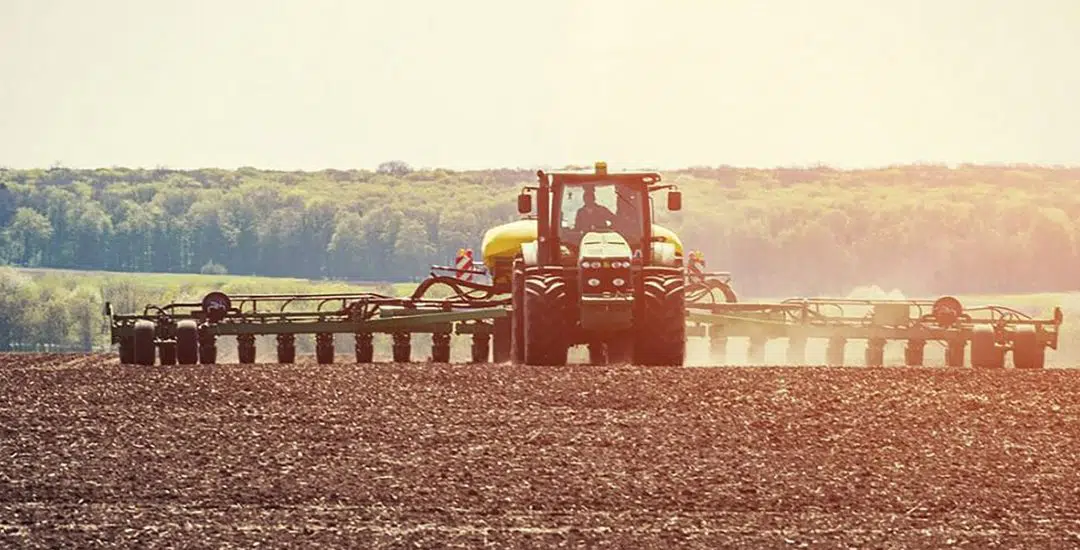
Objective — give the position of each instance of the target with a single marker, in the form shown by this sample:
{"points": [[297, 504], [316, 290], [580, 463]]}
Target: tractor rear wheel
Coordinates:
{"points": [[546, 313], [517, 313], [661, 327], [1028, 353], [187, 342], [144, 343]]}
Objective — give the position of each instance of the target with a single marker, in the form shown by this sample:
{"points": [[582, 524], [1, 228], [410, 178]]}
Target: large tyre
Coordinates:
{"points": [[187, 342], [661, 325], [517, 313], [547, 302], [985, 353], [1028, 353], [144, 350]]}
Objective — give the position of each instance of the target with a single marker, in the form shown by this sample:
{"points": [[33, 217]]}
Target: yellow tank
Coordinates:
{"points": [[503, 242]]}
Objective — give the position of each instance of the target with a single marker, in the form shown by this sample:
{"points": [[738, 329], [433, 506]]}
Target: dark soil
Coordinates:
{"points": [[96, 454]]}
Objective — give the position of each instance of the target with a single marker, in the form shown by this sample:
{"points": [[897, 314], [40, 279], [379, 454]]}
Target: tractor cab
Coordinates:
{"points": [[586, 209], [606, 206]]}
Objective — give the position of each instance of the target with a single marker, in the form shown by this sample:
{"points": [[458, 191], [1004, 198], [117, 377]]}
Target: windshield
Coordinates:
{"points": [[601, 206]]}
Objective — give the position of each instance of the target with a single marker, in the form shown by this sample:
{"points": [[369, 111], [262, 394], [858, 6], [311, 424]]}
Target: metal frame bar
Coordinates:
{"points": [[828, 318], [473, 309]]}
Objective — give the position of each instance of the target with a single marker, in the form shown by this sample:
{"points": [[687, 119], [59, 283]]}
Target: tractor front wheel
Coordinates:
{"points": [[546, 307]]}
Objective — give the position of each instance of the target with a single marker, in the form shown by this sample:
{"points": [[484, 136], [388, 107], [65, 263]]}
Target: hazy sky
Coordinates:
{"points": [[311, 84]]}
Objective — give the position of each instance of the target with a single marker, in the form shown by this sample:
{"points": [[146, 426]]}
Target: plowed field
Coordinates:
{"points": [[93, 453]]}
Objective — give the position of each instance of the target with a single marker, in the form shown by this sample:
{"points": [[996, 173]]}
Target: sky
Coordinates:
{"points": [[471, 84]]}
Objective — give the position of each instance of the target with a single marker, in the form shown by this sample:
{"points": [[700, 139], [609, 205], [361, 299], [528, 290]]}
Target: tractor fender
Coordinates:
{"points": [[663, 254]]}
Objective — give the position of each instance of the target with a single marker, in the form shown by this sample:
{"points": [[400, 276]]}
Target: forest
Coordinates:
{"points": [[786, 231]]}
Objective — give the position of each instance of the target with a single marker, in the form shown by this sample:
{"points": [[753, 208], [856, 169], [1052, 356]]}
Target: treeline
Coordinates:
{"points": [[67, 314], [798, 231]]}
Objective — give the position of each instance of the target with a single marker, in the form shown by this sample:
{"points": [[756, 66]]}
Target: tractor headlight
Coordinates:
{"points": [[594, 282], [618, 282], [595, 264]]}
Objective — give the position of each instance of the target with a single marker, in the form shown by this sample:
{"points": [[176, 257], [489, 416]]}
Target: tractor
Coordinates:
{"points": [[591, 268]]}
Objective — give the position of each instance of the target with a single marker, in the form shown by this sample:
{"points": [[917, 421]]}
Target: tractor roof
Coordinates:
{"points": [[600, 173]]}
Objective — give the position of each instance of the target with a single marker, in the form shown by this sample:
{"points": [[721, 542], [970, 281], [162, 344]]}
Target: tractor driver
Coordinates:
{"points": [[592, 216]]}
